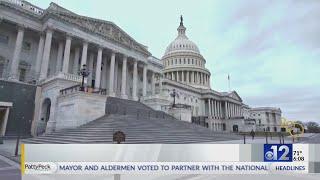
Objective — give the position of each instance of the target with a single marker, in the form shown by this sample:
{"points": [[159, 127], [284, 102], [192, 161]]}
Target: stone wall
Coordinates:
{"points": [[74, 110], [22, 97]]}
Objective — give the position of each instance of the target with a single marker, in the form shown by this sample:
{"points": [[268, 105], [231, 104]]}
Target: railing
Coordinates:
{"points": [[182, 106], [70, 90], [71, 77], [139, 112], [78, 88], [65, 76], [25, 5]]}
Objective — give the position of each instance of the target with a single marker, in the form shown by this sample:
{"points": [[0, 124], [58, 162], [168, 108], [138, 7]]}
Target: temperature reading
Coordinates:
{"points": [[298, 156]]}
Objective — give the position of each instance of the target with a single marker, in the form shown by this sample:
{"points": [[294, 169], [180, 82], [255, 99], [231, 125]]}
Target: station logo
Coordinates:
{"points": [[278, 152]]}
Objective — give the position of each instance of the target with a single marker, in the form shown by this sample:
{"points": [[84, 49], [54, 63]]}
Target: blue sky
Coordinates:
{"points": [[271, 49]]}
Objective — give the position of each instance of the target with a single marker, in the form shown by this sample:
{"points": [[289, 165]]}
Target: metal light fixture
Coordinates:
{"points": [[84, 73]]}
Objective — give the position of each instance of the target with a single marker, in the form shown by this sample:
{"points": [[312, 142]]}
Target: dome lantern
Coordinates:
{"points": [[182, 43], [181, 29]]}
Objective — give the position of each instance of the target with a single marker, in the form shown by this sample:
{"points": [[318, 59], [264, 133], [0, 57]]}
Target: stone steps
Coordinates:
{"points": [[138, 129]]}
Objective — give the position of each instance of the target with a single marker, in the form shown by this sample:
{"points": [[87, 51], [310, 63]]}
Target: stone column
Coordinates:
{"points": [[14, 74], [215, 109], [212, 107], [178, 76], [90, 68], [173, 76], [124, 78], [232, 110], [160, 84], [39, 56], [207, 80], [66, 56], [153, 84], [226, 110], [76, 60], [192, 77], [182, 76], [46, 55], [219, 110], [135, 78], [209, 107], [59, 57], [111, 75], [116, 69], [187, 79], [144, 81], [84, 54], [198, 78], [203, 79], [98, 69]]}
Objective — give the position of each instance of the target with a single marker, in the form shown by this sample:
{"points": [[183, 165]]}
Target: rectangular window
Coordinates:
{"points": [[22, 75], [1, 69], [26, 46], [4, 39]]}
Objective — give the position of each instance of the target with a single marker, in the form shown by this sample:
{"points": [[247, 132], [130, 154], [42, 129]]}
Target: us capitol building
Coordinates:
{"points": [[43, 50]]}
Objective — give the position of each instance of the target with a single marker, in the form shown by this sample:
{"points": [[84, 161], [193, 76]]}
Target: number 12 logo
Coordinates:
{"points": [[278, 152]]}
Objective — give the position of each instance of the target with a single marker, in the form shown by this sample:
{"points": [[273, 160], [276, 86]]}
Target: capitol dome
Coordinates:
{"points": [[183, 62], [182, 43]]}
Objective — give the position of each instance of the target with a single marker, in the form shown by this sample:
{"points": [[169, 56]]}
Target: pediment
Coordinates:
{"points": [[106, 29], [235, 95]]}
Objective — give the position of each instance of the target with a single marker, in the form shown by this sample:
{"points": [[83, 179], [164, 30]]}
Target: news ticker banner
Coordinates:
{"points": [[170, 159]]}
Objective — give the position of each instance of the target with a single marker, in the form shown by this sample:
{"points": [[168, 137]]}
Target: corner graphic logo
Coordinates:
{"points": [[40, 168], [294, 128], [278, 152]]}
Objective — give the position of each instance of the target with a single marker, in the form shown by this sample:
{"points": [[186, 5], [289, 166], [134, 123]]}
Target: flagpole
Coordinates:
{"points": [[229, 82]]}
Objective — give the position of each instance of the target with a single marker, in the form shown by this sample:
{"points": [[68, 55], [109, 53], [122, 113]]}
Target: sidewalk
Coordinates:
{"points": [[7, 149], [262, 140]]}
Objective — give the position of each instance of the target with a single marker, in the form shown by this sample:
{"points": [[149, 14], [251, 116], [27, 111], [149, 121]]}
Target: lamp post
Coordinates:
{"points": [[84, 73], [174, 94]]}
